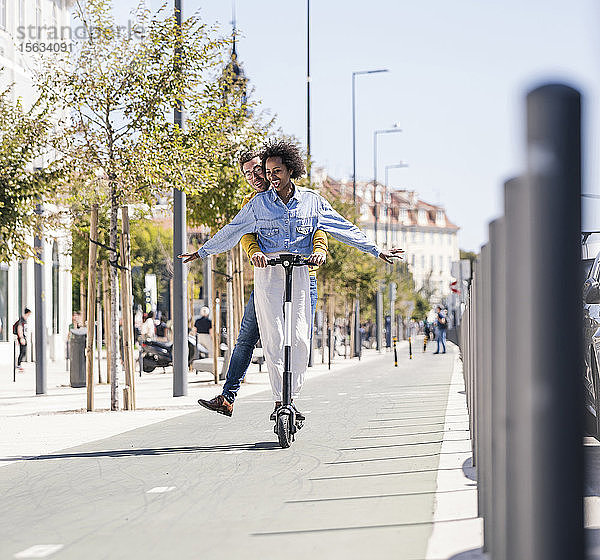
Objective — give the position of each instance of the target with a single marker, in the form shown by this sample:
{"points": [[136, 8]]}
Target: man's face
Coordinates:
{"points": [[253, 173], [277, 173]]}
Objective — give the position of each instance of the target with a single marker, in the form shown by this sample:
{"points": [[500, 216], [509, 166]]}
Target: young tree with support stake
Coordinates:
{"points": [[117, 91]]}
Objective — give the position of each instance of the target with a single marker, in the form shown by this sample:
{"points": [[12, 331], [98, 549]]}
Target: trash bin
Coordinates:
{"points": [[78, 362]]}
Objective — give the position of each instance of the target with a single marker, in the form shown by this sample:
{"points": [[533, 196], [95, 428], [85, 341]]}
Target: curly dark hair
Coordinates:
{"points": [[246, 155], [288, 152]]}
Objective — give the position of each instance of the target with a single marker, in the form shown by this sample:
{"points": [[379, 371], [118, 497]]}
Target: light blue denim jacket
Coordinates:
{"points": [[287, 227]]}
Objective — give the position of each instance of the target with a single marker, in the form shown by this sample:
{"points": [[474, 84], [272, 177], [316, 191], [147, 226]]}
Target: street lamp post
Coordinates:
{"points": [[385, 195], [39, 243], [375, 207], [179, 318], [354, 74], [308, 90], [379, 298]]}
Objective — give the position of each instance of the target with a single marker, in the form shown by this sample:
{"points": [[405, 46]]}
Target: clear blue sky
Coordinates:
{"points": [[458, 75]]}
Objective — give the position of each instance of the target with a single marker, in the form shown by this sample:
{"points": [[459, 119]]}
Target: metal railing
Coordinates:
{"points": [[521, 344]]}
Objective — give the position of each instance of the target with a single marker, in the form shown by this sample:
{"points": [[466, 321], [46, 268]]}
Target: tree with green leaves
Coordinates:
{"points": [[24, 141], [421, 309], [116, 92], [221, 124]]}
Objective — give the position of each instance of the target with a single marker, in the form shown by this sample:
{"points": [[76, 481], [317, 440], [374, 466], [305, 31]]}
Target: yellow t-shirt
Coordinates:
{"points": [[250, 243]]}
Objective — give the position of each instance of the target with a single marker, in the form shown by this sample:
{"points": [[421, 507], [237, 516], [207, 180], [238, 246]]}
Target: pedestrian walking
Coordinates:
{"points": [[285, 218], [203, 326], [148, 330], [20, 330], [440, 329]]}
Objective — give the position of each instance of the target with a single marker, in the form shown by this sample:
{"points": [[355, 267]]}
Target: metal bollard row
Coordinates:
{"points": [[521, 341]]}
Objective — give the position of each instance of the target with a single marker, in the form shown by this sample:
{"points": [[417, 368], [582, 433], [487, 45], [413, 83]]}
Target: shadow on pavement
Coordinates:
{"points": [[474, 554], [260, 446]]}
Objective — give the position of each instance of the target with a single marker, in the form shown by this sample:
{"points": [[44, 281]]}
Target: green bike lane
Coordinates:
{"points": [[360, 479]]}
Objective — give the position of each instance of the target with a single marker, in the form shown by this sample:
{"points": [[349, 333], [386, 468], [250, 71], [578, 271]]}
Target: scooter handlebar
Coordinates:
{"points": [[295, 260]]}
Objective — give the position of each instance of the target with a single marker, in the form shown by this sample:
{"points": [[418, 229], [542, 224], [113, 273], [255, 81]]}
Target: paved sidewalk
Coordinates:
{"points": [[33, 424], [380, 469]]}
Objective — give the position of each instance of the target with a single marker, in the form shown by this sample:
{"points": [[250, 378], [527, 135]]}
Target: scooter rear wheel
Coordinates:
{"points": [[284, 432]]}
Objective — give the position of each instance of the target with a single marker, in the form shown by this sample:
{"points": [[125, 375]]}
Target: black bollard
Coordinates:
{"points": [[410, 348], [395, 353], [545, 453]]}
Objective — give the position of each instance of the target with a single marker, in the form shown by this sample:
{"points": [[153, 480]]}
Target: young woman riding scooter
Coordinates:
{"points": [[284, 218]]}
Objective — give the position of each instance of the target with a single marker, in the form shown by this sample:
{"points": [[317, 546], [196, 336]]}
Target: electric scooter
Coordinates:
{"points": [[286, 423]]}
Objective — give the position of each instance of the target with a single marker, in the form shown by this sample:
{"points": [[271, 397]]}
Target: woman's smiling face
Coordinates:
{"points": [[277, 173]]}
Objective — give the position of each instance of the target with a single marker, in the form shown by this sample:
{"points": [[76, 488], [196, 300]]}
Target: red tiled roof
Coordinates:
{"points": [[400, 199]]}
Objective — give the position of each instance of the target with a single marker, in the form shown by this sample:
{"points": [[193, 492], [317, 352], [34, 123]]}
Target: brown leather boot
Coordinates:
{"points": [[218, 404]]}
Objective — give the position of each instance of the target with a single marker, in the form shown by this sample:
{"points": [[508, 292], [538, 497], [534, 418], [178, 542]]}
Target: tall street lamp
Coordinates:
{"points": [[385, 196], [379, 299], [375, 207], [354, 74], [308, 90], [180, 347]]}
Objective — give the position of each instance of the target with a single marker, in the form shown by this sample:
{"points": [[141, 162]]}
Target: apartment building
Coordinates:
{"points": [[399, 218]]}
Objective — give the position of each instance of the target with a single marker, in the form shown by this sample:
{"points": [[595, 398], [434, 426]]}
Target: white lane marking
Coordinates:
{"points": [[160, 489], [342, 394], [324, 402], [39, 551]]}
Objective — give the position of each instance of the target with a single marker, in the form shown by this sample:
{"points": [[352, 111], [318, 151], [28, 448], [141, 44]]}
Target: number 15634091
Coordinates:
{"points": [[45, 47]]}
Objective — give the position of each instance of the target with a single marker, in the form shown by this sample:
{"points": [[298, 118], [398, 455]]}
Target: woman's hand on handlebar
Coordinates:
{"points": [[317, 258], [259, 259], [387, 256]]}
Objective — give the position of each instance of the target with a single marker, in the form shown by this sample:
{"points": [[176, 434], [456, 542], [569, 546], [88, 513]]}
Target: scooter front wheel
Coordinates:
{"points": [[284, 431]]}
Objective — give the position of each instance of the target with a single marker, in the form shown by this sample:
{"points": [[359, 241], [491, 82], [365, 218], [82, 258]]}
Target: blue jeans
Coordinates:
{"points": [[246, 341], [441, 337]]}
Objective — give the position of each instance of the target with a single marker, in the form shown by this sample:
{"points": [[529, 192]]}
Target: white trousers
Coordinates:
{"points": [[269, 296]]}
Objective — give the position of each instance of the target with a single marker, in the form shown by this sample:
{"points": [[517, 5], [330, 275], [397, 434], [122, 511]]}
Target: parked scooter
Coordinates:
{"points": [[160, 354], [286, 422]]}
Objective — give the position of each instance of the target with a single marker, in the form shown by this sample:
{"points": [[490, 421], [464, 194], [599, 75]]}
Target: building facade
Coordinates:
{"points": [[399, 218], [26, 25]]}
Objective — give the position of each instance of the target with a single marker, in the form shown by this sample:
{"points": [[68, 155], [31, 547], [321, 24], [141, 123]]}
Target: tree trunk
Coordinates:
{"points": [[324, 326], [331, 327], [114, 298], [352, 331], [230, 306], [99, 327], [82, 298], [215, 319], [91, 306], [238, 290], [127, 307], [106, 305]]}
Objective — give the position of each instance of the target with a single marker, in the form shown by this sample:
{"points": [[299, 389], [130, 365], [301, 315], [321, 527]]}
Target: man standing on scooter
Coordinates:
{"points": [[251, 167]]}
